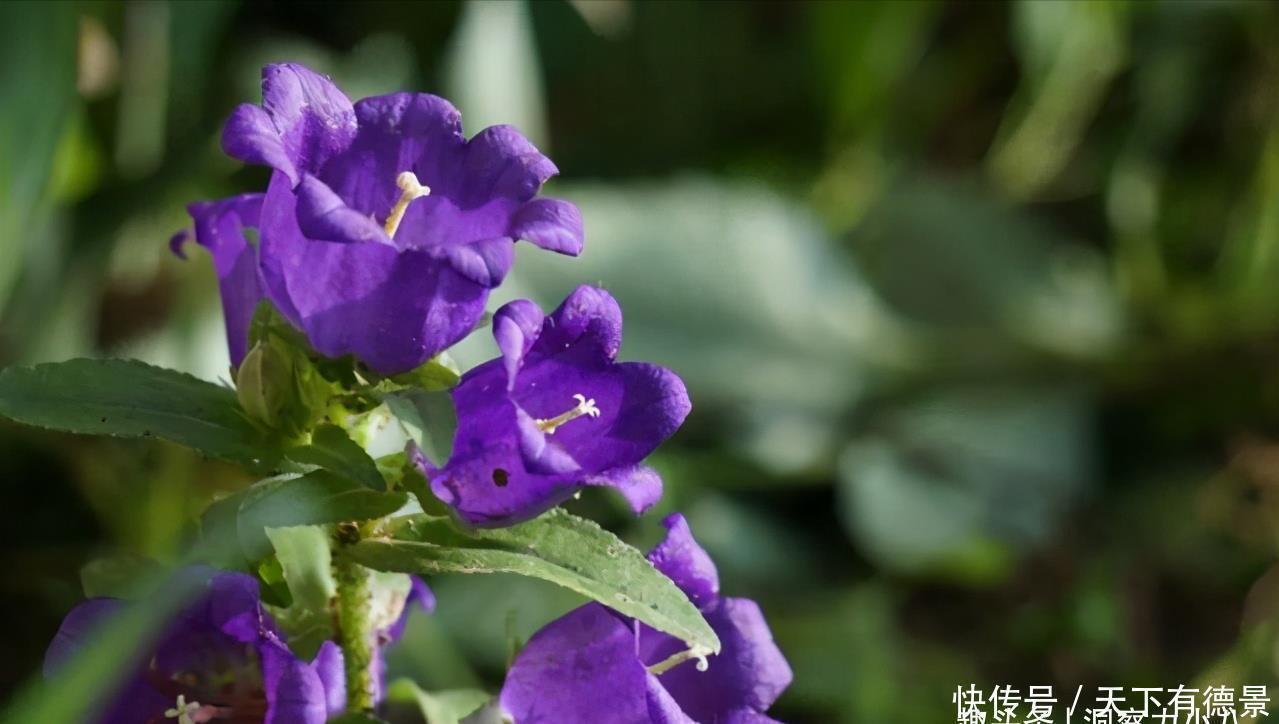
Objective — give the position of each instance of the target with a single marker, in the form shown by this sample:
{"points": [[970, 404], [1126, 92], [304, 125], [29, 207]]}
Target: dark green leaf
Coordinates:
{"points": [[557, 547], [219, 543], [125, 398], [332, 449], [315, 498]]}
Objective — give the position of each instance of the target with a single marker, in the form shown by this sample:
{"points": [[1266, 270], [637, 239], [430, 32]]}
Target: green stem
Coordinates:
{"points": [[355, 633]]}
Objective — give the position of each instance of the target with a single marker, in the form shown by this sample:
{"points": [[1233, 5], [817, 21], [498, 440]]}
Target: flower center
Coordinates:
{"points": [[584, 407], [193, 712], [410, 189], [183, 711]]}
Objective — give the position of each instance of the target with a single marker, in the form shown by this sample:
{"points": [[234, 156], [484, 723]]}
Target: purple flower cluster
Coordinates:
{"points": [[222, 658], [595, 666], [379, 236], [383, 228]]}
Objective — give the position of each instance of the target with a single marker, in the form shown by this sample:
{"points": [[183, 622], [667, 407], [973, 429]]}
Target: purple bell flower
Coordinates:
{"points": [[595, 666], [555, 412], [383, 228], [221, 659]]}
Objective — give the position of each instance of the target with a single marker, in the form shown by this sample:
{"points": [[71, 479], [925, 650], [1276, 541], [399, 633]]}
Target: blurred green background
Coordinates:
{"points": [[978, 304]]}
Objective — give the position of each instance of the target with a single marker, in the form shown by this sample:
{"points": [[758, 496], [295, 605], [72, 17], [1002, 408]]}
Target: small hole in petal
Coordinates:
{"points": [[500, 477]]}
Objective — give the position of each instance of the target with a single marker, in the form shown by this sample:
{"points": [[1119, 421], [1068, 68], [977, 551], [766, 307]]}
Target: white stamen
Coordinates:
{"points": [[676, 659], [183, 711], [584, 407], [410, 188]]}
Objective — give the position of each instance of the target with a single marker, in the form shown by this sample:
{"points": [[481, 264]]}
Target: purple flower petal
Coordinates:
{"points": [[220, 228], [328, 665], [555, 413], [639, 484], [77, 631], [748, 673], [323, 216], [589, 315], [303, 122], [552, 224], [484, 262], [392, 309], [295, 692], [579, 668], [515, 329], [501, 162], [685, 562]]}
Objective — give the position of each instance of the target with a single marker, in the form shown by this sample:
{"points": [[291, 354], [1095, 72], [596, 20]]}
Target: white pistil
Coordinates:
{"points": [[674, 660], [410, 188], [584, 407], [183, 711]]}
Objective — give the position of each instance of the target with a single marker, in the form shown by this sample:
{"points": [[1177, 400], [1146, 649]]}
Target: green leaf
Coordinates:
{"points": [[118, 576], [38, 53], [356, 718], [428, 418], [332, 449], [556, 547], [438, 707], [304, 556], [126, 398], [438, 373], [219, 543], [315, 498], [960, 480]]}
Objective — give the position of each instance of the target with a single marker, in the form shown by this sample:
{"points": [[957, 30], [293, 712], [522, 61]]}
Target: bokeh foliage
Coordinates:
{"points": [[976, 302]]}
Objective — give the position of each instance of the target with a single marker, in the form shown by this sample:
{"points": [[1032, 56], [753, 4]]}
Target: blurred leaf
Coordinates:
{"points": [[866, 49], [315, 498], [125, 398], [428, 418], [304, 556], [493, 69], [332, 449], [118, 576], [439, 707], [557, 547], [1069, 53], [947, 256], [483, 613], [38, 53], [952, 478]]}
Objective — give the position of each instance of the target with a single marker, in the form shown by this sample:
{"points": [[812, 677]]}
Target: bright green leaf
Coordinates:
{"points": [[438, 373], [332, 449], [304, 556], [557, 547]]}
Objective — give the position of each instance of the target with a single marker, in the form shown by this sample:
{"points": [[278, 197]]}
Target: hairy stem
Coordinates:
{"points": [[355, 633]]}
